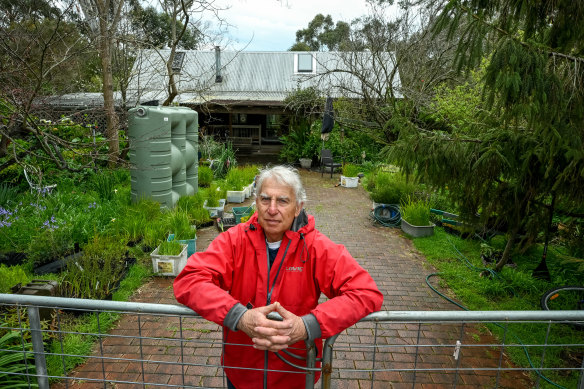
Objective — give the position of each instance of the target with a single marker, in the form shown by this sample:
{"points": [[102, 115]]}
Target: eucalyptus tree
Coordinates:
{"points": [[322, 32], [522, 155]]}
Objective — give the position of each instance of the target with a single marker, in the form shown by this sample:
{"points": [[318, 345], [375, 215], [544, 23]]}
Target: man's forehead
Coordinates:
{"points": [[278, 196], [271, 187]]}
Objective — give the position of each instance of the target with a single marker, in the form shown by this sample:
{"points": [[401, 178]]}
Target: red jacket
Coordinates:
{"points": [[233, 273]]}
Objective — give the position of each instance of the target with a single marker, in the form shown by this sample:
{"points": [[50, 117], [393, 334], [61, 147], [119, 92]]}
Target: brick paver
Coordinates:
{"points": [[399, 270]]}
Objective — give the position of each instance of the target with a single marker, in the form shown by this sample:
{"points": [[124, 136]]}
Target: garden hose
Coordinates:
{"points": [[388, 215], [472, 267]]}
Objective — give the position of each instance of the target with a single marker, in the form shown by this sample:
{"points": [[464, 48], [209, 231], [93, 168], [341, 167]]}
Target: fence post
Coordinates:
{"points": [[310, 363], [327, 361], [581, 383], [38, 347]]}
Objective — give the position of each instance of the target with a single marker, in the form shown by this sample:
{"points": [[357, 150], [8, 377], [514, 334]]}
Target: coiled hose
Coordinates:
{"points": [[388, 215]]}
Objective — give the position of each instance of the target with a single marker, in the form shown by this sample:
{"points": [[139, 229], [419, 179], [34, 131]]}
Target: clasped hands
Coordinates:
{"points": [[269, 334]]}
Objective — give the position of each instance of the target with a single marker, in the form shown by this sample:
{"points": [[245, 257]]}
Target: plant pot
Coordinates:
{"points": [[236, 196], [215, 211], [191, 244], [39, 288], [168, 265], [248, 190], [305, 163], [239, 212], [349, 182], [417, 231]]}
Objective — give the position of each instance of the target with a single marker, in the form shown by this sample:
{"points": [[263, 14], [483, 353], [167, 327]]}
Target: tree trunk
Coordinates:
{"points": [[108, 100], [508, 248]]}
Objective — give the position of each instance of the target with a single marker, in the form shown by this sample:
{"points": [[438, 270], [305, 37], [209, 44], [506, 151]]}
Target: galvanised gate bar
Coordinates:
{"points": [[385, 349]]}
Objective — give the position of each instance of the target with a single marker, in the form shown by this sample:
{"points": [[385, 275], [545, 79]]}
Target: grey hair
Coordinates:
{"points": [[285, 175]]}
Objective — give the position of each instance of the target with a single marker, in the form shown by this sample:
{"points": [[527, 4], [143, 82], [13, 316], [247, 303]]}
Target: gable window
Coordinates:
{"points": [[305, 63]]}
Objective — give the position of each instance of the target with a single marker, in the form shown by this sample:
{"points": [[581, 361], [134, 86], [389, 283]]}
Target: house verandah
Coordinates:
{"points": [[251, 129]]}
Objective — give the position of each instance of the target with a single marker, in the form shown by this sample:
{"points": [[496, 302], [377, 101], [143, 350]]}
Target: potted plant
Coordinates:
{"points": [[305, 162], [205, 174], [182, 231], [214, 203], [349, 178], [169, 258], [236, 185], [415, 216]]}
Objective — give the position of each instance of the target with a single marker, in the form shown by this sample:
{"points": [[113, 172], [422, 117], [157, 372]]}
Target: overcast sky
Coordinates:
{"points": [[271, 25]]}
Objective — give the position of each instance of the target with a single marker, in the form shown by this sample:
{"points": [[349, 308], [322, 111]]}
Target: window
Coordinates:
{"points": [[305, 63]]}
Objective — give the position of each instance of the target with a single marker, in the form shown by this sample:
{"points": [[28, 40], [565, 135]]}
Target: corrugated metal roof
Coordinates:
{"points": [[250, 76]]}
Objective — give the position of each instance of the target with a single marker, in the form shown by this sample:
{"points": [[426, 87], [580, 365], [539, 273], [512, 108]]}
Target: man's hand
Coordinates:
{"points": [[269, 334]]}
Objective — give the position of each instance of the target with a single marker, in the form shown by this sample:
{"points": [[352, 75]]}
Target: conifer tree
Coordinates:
{"points": [[523, 154]]}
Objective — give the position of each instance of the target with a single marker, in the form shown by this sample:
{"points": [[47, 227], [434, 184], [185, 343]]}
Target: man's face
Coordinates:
{"points": [[276, 204]]}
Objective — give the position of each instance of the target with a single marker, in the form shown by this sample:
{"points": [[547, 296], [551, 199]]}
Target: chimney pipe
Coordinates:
{"points": [[218, 76]]}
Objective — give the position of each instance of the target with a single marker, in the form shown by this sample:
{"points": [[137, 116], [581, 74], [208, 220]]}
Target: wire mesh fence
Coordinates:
{"points": [[136, 345]]}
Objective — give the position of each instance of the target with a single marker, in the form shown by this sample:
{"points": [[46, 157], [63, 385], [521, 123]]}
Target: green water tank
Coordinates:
{"points": [[163, 153]]}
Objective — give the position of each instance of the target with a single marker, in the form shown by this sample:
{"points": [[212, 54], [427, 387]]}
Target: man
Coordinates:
{"points": [[275, 262]]}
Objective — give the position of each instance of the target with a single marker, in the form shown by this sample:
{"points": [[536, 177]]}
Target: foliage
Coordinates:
{"points": [[205, 175], [13, 360], [193, 206], [235, 179], [388, 188], [74, 340], [459, 269], [104, 185], [11, 276], [214, 194], [517, 154], [351, 170], [415, 212], [209, 147], [155, 27], [97, 272], [7, 194], [301, 142], [179, 224], [323, 32], [172, 247], [225, 160]]}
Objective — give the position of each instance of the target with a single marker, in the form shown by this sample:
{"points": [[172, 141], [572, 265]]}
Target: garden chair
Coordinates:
{"points": [[34, 177], [326, 160]]}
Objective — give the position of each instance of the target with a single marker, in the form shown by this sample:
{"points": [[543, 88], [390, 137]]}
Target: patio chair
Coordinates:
{"points": [[326, 160], [34, 176]]}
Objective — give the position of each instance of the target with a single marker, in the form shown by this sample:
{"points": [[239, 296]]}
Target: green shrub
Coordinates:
{"points": [[351, 170], [11, 276], [389, 188], [205, 175], [97, 272], [415, 212]]}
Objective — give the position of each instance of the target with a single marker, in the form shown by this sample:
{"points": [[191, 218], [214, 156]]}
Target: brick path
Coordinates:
{"points": [[343, 215]]}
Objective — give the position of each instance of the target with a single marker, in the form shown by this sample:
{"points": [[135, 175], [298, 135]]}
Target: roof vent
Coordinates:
{"points": [[218, 76]]}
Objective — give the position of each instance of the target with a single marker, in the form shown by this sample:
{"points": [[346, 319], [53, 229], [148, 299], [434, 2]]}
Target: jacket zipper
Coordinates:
{"points": [[269, 299]]}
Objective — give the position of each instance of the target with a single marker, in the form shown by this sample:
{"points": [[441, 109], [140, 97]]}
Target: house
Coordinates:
{"points": [[239, 96]]}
